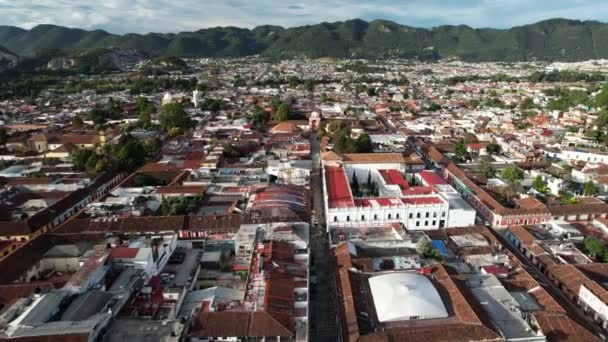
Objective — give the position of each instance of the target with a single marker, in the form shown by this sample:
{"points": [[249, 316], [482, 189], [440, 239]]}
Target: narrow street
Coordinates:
{"points": [[386, 123], [323, 313]]}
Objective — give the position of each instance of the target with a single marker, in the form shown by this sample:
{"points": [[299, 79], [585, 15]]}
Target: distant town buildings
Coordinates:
{"points": [[306, 200]]}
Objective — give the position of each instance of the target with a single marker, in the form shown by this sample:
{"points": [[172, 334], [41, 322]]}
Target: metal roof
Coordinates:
{"points": [[392, 291]]}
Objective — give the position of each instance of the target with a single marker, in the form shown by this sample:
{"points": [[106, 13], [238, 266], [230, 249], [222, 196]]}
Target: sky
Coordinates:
{"points": [[142, 16]]}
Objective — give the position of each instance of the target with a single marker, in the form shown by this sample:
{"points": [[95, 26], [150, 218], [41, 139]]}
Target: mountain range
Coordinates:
{"points": [[554, 39]]}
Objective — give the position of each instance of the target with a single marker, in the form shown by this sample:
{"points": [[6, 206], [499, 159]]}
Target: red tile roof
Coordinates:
{"points": [[11, 292], [338, 188], [59, 336], [393, 177], [436, 156], [264, 324], [373, 158], [286, 127], [431, 178], [572, 278], [418, 190], [494, 269], [237, 324], [522, 234], [123, 253], [132, 224], [422, 200], [476, 146], [221, 324], [279, 298], [562, 328], [29, 181], [489, 201], [346, 305], [574, 209], [181, 189]]}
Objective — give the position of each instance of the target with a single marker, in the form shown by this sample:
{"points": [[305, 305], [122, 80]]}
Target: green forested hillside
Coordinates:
{"points": [[556, 39]]}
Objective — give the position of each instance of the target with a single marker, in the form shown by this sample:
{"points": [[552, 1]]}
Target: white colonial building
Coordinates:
{"points": [[431, 205]]}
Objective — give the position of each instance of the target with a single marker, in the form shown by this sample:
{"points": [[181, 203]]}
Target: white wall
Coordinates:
{"points": [[593, 302], [68, 264], [415, 217], [584, 156], [363, 169], [461, 217]]}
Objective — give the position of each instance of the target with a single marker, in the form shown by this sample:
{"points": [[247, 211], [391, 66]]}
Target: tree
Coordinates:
{"points": [[601, 123], [98, 116], [239, 82], [102, 165], [35, 174], [152, 146], [539, 184], [231, 151], [511, 173], [601, 99], [526, 104], [344, 143], [145, 109], [601, 119], [364, 144], [375, 190], [131, 155], [334, 128], [282, 113], [321, 132], [566, 197], [173, 115], [165, 207], [175, 131], [360, 88], [434, 107], [260, 117], [179, 205], [473, 103], [212, 104], [595, 247], [368, 189], [371, 91], [493, 148], [309, 85], [3, 136], [589, 189], [494, 102], [293, 81], [81, 157], [425, 248], [485, 168], [355, 184], [91, 163], [101, 114], [460, 150], [559, 136]]}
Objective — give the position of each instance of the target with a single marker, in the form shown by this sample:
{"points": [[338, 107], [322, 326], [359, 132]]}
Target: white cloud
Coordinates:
{"points": [[121, 16]]}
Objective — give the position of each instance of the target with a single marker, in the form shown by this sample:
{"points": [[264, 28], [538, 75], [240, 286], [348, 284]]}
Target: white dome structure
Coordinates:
{"points": [[405, 296]]}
